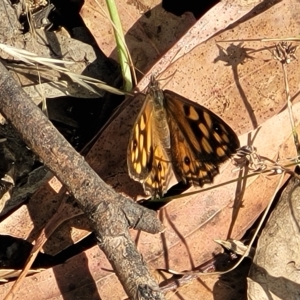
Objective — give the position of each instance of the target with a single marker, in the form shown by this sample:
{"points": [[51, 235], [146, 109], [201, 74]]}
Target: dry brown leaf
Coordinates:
{"points": [[275, 269], [85, 276], [148, 34]]}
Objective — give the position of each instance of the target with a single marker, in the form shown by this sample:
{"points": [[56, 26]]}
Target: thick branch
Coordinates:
{"points": [[110, 214]]}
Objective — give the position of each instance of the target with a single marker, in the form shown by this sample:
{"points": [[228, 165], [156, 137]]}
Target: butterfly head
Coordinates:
{"points": [[154, 90]]}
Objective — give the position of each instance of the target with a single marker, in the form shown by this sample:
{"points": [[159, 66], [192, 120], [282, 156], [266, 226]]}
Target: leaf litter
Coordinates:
{"points": [[225, 84]]}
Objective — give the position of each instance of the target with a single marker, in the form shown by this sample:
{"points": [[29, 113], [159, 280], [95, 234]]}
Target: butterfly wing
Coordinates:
{"points": [[161, 174], [148, 159], [200, 139]]}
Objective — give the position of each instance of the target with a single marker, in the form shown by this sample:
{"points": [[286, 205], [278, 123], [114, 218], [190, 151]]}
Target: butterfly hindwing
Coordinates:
{"points": [[161, 174]]}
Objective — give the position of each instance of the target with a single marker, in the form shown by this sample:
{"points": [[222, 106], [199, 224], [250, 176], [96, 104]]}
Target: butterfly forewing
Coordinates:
{"points": [[148, 151], [200, 139], [140, 146]]}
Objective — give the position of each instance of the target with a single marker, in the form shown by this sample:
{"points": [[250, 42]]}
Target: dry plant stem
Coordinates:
{"points": [[247, 251], [257, 229], [290, 109], [109, 213], [263, 218]]}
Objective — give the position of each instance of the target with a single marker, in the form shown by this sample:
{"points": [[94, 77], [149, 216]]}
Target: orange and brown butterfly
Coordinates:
{"points": [[174, 137]]}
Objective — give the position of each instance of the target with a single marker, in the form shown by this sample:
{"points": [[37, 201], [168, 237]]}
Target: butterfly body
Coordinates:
{"points": [[159, 119], [174, 138]]}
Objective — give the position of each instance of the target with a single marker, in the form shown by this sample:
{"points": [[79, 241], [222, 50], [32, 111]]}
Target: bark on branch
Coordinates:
{"points": [[110, 214]]}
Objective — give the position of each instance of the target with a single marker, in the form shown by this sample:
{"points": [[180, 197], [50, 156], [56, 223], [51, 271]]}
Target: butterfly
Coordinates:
{"points": [[176, 138]]}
